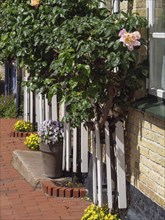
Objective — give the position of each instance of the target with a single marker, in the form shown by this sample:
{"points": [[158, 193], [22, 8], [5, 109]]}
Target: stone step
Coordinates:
{"points": [[29, 165]]}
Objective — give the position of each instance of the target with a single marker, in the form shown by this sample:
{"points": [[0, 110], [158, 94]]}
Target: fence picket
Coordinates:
{"points": [[62, 109], [47, 109], [108, 166], [94, 174], [84, 149], [54, 108], [99, 164], [67, 147], [31, 106], [26, 102], [37, 107], [75, 150], [40, 108], [120, 158]]}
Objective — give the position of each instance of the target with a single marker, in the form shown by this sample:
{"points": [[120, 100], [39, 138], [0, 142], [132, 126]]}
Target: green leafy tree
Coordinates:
{"points": [[72, 48]]}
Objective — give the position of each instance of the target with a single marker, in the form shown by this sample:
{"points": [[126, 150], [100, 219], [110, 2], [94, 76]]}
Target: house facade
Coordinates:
{"points": [[145, 126]]}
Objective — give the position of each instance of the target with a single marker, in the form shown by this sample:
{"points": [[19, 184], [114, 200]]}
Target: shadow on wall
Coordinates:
{"points": [[144, 138], [144, 151]]}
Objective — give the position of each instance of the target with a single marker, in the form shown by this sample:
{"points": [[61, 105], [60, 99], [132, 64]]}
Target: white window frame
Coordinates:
{"points": [[153, 35]]}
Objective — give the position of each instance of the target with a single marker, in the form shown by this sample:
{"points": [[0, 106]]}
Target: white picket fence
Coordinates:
{"points": [[44, 111]]}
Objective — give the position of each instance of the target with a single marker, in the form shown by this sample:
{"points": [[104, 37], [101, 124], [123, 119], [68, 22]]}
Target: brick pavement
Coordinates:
{"points": [[18, 200]]}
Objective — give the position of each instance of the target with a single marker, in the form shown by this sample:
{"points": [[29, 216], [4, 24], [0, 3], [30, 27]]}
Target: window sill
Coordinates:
{"points": [[151, 105]]}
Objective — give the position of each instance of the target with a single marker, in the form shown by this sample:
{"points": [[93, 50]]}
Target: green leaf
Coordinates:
{"points": [[73, 84]]}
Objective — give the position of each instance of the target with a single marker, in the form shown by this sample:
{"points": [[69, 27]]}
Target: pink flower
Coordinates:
{"points": [[35, 2], [130, 40]]}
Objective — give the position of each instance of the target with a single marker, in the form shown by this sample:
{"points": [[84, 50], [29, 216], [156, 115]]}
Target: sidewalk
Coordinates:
{"points": [[18, 200]]}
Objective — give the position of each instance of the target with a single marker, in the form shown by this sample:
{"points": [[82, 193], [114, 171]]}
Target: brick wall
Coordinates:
{"points": [[145, 155], [138, 6]]}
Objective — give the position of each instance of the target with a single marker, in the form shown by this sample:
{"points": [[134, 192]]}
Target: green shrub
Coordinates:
{"points": [[32, 142], [72, 48], [7, 107], [24, 126]]}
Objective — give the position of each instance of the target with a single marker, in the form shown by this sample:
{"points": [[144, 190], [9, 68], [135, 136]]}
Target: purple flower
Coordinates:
{"points": [[51, 132]]}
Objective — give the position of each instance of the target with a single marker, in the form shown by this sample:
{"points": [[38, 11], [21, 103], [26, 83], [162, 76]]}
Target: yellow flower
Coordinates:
{"points": [[32, 142]]}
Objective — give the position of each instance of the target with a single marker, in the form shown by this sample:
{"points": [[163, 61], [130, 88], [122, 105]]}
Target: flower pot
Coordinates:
{"points": [[52, 159]]}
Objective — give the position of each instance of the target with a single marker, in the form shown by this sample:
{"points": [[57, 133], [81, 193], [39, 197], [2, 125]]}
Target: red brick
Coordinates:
{"points": [[82, 192], [69, 192], [50, 190], [76, 193], [56, 191], [11, 134], [45, 185], [62, 192]]}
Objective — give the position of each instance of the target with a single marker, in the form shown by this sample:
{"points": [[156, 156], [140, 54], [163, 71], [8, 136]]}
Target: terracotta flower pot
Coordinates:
{"points": [[52, 159]]}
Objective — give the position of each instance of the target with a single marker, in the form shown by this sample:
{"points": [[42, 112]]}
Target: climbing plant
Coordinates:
{"points": [[77, 50]]}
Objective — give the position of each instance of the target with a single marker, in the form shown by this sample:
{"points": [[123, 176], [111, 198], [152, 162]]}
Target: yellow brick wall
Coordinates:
{"points": [[145, 154], [138, 6]]}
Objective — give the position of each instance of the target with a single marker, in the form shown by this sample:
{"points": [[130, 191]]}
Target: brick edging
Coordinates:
{"points": [[51, 189], [20, 134]]}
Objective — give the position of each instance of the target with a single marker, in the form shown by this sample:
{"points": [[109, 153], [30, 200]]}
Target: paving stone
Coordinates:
{"points": [[23, 201]]}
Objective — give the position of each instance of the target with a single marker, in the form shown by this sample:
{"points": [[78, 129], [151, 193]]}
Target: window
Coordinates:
{"points": [[156, 9]]}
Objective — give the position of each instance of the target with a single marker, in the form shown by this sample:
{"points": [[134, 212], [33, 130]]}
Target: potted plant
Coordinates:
{"points": [[51, 138]]}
